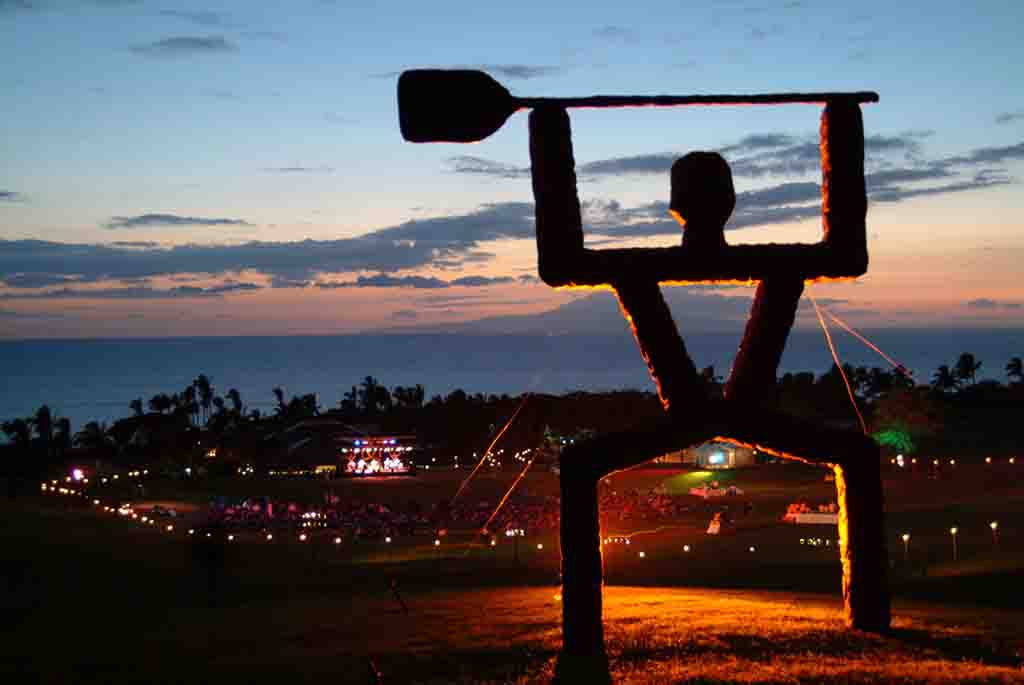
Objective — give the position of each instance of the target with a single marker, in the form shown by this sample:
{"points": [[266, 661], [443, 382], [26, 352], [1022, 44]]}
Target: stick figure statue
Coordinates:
{"points": [[702, 199], [463, 106]]}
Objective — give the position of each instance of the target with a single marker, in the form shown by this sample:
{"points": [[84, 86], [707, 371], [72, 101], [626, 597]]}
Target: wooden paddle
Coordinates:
{"points": [[464, 106]]}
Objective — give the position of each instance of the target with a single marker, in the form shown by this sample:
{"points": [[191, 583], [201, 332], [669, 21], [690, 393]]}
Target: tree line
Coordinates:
{"points": [[900, 412]]}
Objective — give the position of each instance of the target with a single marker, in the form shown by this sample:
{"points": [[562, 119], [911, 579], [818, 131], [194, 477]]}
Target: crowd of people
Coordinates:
{"points": [[532, 514]]}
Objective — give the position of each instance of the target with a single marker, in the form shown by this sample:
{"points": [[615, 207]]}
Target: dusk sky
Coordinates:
{"points": [[236, 168]]}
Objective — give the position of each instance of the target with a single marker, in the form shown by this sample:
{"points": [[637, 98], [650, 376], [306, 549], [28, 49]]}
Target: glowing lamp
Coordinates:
{"points": [[686, 548], [994, 525], [387, 540], [1012, 460], [230, 538], [170, 529], [642, 555], [437, 543], [96, 502], [191, 531], [753, 549], [540, 545], [270, 537], [337, 541], [302, 537], [906, 537], [953, 530], [988, 460]]}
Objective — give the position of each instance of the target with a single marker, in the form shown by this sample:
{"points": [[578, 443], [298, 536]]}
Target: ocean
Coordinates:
{"points": [[88, 380]]}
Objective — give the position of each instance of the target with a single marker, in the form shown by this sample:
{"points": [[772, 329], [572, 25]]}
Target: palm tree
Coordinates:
{"points": [[281, 406], [967, 367], [205, 389], [373, 396], [62, 437], [136, 406], [160, 402], [235, 398], [92, 435], [944, 379], [43, 421], [1014, 370], [350, 400], [18, 431]]}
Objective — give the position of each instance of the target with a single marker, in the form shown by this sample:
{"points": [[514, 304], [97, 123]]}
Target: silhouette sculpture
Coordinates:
{"points": [[702, 199]]}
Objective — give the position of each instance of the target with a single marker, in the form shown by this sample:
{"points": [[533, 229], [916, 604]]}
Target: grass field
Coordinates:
{"points": [[93, 598]]}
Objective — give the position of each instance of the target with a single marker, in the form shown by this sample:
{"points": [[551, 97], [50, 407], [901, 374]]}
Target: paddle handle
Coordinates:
{"points": [[677, 100]]}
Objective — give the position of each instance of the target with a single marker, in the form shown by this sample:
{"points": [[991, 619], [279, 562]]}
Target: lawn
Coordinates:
{"points": [[93, 598]]}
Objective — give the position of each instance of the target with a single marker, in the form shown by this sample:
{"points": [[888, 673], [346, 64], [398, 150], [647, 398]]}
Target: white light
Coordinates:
{"points": [[753, 549], [686, 548], [387, 540], [994, 525], [906, 537], [953, 530], [642, 555], [437, 543], [270, 537], [302, 538], [230, 538], [337, 541]]}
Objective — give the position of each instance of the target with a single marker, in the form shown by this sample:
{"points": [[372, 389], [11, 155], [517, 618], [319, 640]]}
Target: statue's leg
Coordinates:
{"points": [[582, 466], [582, 567], [753, 377], [862, 543], [857, 467]]}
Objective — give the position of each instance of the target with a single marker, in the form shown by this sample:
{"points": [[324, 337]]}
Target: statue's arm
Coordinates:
{"points": [[559, 223]]}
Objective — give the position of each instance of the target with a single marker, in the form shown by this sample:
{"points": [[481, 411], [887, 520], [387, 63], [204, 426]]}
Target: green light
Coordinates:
{"points": [[895, 438]]}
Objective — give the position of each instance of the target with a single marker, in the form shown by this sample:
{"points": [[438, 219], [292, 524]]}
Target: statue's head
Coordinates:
{"points": [[702, 194]]}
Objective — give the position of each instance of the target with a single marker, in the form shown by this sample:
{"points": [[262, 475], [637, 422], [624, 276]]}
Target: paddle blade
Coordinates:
{"points": [[451, 105]]}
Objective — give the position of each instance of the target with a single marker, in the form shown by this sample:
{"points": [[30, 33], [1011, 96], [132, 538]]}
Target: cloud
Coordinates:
{"points": [[180, 46], [10, 196], [32, 281], [323, 169], [14, 314], [658, 163], [386, 281], [150, 220], [136, 293], [449, 240], [509, 71], [986, 303], [990, 155], [285, 282], [480, 281], [1010, 117], [467, 164], [141, 244], [405, 314], [615, 33], [16, 5], [417, 282], [198, 17]]}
